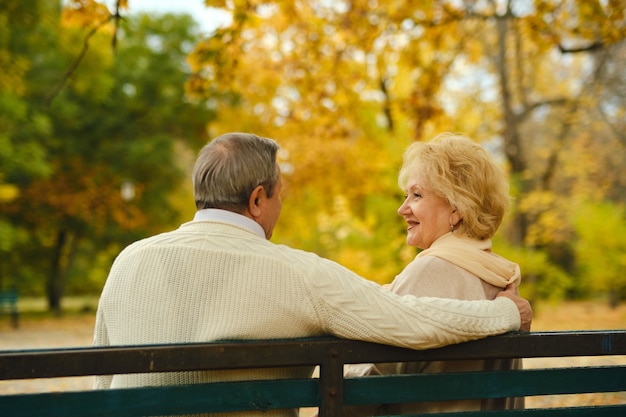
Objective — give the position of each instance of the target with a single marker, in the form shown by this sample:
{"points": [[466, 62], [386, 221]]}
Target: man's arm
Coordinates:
{"points": [[354, 308]]}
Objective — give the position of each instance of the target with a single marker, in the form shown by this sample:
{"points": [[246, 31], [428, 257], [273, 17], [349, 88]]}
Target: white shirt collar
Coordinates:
{"points": [[226, 216]]}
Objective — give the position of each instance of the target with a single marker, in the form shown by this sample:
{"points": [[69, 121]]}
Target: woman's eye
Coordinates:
{"points": [[416, 195]]}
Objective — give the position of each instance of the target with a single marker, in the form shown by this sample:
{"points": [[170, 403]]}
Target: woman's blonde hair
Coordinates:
{"points": [[461, 171]]}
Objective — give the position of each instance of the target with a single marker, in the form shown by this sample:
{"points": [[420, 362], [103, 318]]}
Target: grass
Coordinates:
{"points": [[39, 305], [578, 315]]}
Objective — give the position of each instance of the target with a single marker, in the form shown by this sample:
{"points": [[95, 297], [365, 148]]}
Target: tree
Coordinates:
{"points": [[346, 85], [25, 47], [120, 120]]}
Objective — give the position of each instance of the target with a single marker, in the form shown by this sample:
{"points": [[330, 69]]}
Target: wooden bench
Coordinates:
{"points": [[8, 305], [331, 391]]}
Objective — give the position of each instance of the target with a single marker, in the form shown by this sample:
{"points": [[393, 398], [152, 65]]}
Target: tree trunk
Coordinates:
{"points": [[63, 255], [53, 286], [511, 136]]}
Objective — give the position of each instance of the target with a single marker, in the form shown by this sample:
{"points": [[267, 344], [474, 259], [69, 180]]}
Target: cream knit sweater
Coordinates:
{"points": [[209, 281]]}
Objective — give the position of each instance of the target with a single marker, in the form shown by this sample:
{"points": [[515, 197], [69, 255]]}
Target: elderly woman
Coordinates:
{"points": [[456, 197]]}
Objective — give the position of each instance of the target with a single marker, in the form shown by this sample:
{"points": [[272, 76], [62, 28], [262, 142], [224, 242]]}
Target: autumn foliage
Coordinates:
{"points": [[344, 87]]}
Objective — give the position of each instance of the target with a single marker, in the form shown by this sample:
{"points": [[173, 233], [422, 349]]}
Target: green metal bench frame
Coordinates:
{"points": [[331, 391]]}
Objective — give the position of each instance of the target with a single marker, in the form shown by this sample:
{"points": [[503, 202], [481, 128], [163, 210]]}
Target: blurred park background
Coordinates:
{"points": [[102, 112]]}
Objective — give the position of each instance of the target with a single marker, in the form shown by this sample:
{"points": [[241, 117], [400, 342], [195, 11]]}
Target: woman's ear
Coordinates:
{"points": [[455, 217], [254, 201]]}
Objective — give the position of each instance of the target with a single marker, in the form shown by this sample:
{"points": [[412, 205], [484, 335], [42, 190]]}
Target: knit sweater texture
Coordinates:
{"points": [[209, 281]]}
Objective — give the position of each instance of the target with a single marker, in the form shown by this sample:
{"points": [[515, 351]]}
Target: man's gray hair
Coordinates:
{"points": [[230, 167]]}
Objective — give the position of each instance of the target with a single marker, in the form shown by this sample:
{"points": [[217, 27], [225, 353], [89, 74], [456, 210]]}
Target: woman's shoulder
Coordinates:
{"points": [[430, 265], [430, 276]]}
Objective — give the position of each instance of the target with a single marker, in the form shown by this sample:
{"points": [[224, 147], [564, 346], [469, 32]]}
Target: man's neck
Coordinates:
{"points": [[231, 217]]}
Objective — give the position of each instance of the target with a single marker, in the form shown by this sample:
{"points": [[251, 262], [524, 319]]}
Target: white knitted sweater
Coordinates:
{"points": [[210, 281]]}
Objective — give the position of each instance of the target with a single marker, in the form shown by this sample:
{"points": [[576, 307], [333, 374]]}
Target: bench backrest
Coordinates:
{"points": [[330, 392], [8, 299]]}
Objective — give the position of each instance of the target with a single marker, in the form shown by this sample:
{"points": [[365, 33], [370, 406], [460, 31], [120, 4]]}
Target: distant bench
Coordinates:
{"points": [[8, 306], [331, 391]]}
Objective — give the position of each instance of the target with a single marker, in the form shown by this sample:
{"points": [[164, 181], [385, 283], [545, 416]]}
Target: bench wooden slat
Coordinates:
{"points": [[477, 385], [593, 411], [266, 395], [48, 363], [169, 400]]}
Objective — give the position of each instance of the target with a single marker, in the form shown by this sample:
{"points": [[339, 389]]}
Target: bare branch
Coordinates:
{"points": [[72, 68], [552, 102], [387, 104], [594, 46], [117, 17]]}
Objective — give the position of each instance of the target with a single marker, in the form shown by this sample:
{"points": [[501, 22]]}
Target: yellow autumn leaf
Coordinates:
{"points": [[8, 192]]}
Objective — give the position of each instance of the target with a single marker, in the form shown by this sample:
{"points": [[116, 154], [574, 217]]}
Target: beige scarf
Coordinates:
{"points": [[476, 257]]}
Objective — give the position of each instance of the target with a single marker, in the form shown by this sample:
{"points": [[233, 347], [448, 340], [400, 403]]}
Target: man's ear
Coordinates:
{"points": [[254, 201]]}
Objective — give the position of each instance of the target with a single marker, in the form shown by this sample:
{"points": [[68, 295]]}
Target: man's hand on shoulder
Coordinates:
{"points": [[525, 310]]}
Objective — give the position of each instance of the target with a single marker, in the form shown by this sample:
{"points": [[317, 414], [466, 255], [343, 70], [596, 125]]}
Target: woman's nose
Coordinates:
{"points": [[402, 210]]}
